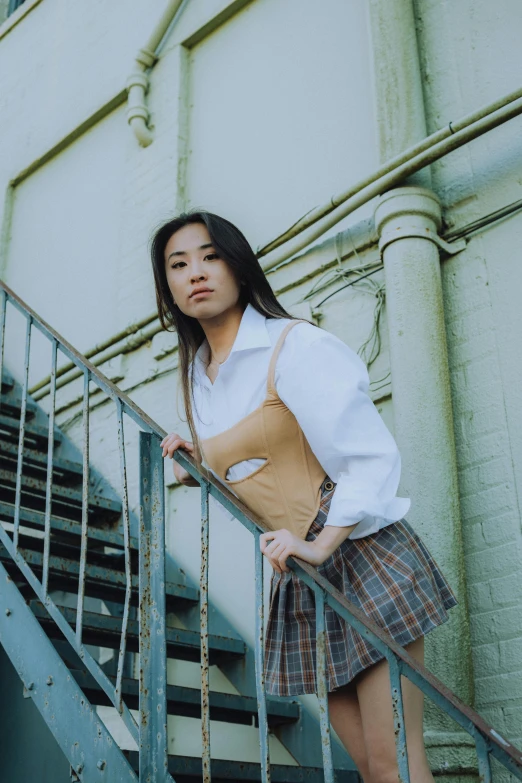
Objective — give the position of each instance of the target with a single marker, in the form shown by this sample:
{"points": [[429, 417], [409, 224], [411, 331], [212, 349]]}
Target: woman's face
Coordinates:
{"points": [[191, 263]]}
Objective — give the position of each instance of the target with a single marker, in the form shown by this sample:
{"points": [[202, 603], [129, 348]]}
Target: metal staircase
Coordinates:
{"points": [[63, 534], [64, 529]]}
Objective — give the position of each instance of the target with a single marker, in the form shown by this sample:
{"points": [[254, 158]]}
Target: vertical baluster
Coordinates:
{"points": [[322, 688], [49, 478], [153, 648], [203, 607], [483, 759], [85, 508], [126, 539], [260, 671], [398, 718], [18, 493], [3, 311]]}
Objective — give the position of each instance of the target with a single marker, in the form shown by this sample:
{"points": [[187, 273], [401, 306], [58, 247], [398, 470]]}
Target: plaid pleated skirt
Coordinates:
{"points": [[390, 575]]}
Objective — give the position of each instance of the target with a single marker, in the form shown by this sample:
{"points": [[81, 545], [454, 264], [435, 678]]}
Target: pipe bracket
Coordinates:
{"points": [[424, 232]]}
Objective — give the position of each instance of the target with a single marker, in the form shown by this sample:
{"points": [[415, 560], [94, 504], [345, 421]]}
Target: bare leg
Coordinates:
{"points": [[345, 717], [374, 697]]}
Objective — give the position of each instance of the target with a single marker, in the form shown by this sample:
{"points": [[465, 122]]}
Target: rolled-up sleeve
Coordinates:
{"points": [[325, 385]]}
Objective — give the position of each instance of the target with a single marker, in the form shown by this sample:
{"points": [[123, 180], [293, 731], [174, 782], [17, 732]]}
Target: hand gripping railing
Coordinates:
{"points": [[151, 734]]}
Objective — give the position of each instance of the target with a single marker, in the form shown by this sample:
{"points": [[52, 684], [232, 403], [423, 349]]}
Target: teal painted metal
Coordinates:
{"points": [[399, 725], [264, 748], [18, 491], [322, 689], [13, 5], [85, 507], [151, 735], [49, 476], [153, 653], [126, 541], [76, 728], [203, 630]]}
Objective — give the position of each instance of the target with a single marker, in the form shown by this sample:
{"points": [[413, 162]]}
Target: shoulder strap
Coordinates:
{"points": [[271, 368]]}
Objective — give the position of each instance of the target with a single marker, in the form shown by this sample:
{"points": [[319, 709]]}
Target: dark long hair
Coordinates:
{"points": [[234, 249]]}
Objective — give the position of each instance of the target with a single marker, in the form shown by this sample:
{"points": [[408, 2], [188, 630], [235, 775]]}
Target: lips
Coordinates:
{"points": [[201, 291]]}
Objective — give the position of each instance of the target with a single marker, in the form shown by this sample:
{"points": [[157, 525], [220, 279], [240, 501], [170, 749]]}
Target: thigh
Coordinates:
{"points": [[345, 718], [374, 695]]}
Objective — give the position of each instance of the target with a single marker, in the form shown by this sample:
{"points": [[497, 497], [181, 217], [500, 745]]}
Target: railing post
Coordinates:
{"points": [[399, 723], [322, 685], [259, 661], [153, 651], [203, 614]]}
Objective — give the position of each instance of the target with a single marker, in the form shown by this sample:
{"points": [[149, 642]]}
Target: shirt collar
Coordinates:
{"points": [[252, 333]]}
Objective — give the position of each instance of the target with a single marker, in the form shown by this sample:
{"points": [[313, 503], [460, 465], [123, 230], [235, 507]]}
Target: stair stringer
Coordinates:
{"points": [[73, 721]]}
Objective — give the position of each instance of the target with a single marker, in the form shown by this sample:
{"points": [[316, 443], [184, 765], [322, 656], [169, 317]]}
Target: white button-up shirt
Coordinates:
{"points": [[325, 385]]}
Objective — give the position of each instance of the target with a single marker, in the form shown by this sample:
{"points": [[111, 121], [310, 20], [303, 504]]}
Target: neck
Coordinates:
{"points": [[221, 331]]}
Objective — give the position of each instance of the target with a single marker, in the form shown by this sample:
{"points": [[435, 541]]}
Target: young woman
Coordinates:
{"points": [[278, 410]]}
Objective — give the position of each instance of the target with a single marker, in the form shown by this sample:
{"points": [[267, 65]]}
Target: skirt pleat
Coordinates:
{"points": [[390, 575]]}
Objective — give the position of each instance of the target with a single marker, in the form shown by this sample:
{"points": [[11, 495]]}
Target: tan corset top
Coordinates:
{"points": [[285, 491]]}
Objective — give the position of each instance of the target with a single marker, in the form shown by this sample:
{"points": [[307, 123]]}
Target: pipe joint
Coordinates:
{"points": [[138, 80], [411, 212], [146, 58], [137, 112]]}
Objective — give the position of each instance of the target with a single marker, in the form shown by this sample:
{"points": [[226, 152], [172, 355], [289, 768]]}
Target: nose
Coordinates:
{"points": [[197, 274]]}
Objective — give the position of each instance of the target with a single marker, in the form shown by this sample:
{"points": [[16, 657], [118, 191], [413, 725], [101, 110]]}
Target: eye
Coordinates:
{"points": [[174, 266], [212, 255]]}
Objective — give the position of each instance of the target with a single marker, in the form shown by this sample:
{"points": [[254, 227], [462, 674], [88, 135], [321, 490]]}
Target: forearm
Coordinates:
{"points": [[331, 537]]}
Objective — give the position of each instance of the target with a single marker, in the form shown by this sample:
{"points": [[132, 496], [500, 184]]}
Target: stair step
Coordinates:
{"points": [[11, 406], [69, 548], [186, 702], [65, 500], [7, 381], [187, 769], [65, 527], [105, 630], [100, 582], [9, 430], [64, 471]]}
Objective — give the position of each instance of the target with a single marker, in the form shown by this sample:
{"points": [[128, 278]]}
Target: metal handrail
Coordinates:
{"points": [[488, 742]]}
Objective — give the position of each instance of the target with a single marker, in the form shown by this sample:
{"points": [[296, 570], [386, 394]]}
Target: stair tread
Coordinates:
{"points": [[185, 701], [7, 381], [38, 458], [36, 519], [98, 579], [11, 406], [105, 630], [60, 494], [189, 768], [32, 431]]}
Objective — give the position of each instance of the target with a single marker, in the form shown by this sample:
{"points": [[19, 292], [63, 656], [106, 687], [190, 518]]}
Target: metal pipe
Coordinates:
{"points": [[259, 663], [483, 759], [116, 338], [49, 476], [397, 80], [130, 344], [126, 540], [392, 173], [138, 81], [322, 689], [21, 436], [203, 629], [407, 220], [153, 762], [85, 509], [399, 724]]}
